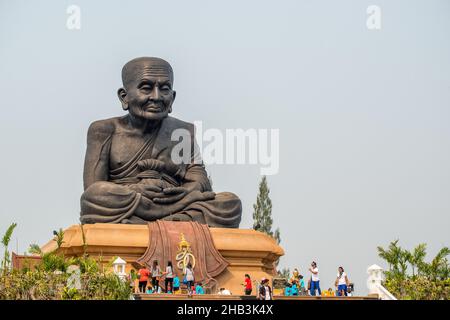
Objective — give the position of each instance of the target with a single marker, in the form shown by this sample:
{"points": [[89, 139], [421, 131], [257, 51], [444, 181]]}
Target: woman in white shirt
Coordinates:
{"points": [[156, 274], [315, 281], [168, 281], [341, 282], [189, 276]]}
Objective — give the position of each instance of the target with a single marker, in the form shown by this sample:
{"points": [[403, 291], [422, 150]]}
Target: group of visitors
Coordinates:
{"points": [[149, 280], [264, 291], [296, 285]]}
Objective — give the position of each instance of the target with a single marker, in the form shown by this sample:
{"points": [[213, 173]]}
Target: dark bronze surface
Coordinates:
{"points": [[129, 175]]}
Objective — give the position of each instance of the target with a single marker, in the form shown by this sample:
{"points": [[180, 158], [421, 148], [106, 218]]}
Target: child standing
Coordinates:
{"points": [[176, 284], [199, 289]]}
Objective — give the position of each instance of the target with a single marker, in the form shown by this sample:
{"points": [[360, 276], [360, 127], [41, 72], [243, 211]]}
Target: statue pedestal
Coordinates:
{"points": [[245, 250]]}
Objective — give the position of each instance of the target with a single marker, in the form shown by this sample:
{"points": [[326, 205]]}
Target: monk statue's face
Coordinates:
{"points": [[147, 91]]}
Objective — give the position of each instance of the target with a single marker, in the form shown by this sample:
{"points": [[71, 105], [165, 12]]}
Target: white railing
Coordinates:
{"points": [[374, 283]]}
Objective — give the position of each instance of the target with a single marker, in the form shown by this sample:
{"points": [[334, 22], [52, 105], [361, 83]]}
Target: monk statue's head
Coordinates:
{"points": [[147, 91]]}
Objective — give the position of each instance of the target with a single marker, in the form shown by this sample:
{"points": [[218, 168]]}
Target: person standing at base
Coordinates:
{"points": [[247, 285], [350, 290], [294, 288], [258, 286], [315, 285], [189, 276], [224, 292], [287, 289], [143, 275], [328, 293], [265, 291], [295, 275], [156, 274], [176, 284], [341, 282], [199, 289], [168, 281], [261, 292], [302, 287]]}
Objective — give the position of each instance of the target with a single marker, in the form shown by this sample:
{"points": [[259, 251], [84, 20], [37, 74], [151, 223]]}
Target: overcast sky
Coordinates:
{"points": [[363, 114]]}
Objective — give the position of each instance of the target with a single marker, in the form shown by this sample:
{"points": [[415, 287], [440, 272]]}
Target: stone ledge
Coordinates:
{"points": [[133, 240]]}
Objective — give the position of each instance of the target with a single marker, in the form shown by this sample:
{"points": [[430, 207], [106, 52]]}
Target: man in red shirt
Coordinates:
{"points": [[143, 275], [247, 285]]}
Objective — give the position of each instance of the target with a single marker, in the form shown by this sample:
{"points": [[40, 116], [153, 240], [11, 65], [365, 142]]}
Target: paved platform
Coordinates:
{"points": [[162, 296]]}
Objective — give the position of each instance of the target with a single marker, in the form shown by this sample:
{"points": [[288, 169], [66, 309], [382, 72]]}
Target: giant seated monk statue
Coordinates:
{"points": [[130, 175]]}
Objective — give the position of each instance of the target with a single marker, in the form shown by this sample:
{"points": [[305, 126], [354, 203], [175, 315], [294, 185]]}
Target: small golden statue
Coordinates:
{"points": [[184, 254]]}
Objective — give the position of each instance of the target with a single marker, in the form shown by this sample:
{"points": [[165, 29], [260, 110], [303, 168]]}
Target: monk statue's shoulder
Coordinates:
{"points": [[175, 123], [103, 127]]}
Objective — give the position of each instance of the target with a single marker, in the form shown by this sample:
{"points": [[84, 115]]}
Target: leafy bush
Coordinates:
{"points": [[419, 288], [49, 279], [31, 285], [410, 277], [43, 285]]}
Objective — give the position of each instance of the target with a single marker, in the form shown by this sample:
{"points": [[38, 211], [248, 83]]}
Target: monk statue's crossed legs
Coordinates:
{"points": [[110, 202]]}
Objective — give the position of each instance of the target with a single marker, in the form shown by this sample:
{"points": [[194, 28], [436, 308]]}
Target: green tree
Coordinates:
{"points": [[52, 261], [262, 212], [417, 257], [396, 257], [5, 242], [59, 237], [431, 281], [35, 249], [438, 268]]}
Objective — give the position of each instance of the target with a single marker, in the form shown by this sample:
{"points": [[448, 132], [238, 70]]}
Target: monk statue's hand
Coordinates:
{"points": [[171, 195], [176, 194], [148, 190]]}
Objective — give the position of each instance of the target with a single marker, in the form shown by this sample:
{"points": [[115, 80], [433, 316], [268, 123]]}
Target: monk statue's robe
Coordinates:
{"points": [[119, 195]]}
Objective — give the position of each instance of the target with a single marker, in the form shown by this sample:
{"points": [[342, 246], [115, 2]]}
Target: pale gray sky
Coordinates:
{"points": [[363, 114]]}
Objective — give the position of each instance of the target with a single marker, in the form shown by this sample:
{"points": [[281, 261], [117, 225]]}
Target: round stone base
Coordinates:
{"points": [[247, 251]]}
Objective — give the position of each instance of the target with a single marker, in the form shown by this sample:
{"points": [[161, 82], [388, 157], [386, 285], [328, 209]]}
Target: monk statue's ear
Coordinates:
{"points": [[173, 99], [122, 94]]}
